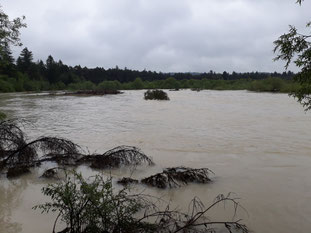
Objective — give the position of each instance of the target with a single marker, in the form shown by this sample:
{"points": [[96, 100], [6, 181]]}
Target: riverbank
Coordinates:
{"points": [[263, 85]]}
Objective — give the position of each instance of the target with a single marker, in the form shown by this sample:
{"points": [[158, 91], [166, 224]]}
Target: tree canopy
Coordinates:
{"points": [[9, 35], [295, 47]]}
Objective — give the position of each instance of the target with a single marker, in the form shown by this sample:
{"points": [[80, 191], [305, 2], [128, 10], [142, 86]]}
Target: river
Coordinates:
{"points": [[257, 144]]}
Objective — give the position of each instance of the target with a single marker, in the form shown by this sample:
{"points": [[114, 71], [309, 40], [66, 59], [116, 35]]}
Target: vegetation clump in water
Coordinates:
{"points": [[94, 206], [178, 176], [121, 156], [156, 95], [127, 180], [17, 154]]}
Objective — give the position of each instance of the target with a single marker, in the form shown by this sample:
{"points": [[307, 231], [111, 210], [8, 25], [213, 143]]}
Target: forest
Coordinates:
{"points": [[25, 74]]}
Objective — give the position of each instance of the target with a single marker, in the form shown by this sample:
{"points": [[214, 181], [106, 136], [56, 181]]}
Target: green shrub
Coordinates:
{"points": [[94, 206], [109, 85], [137, 84], [155, 95], [171, 83], [6, 86]]}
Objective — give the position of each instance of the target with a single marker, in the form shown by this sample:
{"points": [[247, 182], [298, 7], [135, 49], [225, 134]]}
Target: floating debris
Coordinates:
{"points": [[178, 176]]}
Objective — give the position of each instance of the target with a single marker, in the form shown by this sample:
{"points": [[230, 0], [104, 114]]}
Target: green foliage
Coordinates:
{"points": [[6, 84], [9, 35], [58, 86], [9, 30], [94, 206], [155, 95], [2, 116], [171, 83], [296, 47], [137, 84], [85, 85], [24, 61], [109, 85]]}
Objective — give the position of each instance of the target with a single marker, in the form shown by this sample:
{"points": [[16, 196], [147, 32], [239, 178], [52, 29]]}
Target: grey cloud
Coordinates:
{"points": [[161, 35]]}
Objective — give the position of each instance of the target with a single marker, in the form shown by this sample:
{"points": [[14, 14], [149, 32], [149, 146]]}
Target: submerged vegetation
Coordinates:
{"points": [[94, 206], [17, 154], [121, 156], [178, 176], [155, 95]]}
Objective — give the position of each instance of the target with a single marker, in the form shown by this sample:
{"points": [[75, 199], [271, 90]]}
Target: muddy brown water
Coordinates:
{"points": [[258, 145]]}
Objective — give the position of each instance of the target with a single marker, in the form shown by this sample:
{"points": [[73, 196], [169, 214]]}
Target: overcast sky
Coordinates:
{"points": [[159, 35]]}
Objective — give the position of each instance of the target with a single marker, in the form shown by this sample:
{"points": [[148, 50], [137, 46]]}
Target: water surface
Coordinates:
{"points": [[258, 145]]}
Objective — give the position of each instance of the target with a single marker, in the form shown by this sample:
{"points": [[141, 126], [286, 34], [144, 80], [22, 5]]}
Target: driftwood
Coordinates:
{"points": [[121, 156], [178, 176]]}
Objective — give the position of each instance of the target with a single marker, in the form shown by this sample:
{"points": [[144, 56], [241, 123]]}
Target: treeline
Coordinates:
{"points": [[26, 75]]}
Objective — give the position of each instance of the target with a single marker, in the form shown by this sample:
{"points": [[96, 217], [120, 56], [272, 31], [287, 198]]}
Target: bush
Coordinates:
{"points": [[95, 207], [171, 83], [109, 85], [5, 85], [137, 84], [155, 95]]}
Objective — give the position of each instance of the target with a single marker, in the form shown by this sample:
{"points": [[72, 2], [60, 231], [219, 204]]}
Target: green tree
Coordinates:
{"points": [[24, 60], [51, 70], [137, 84], [171, 83], [296, 47], [9, 35], [26, 65]]}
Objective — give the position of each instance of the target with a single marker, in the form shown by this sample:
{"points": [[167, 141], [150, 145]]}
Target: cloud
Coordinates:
{"points": [[174, 35]]}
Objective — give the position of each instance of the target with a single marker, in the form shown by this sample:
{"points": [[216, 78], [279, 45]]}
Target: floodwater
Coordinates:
{"points": [[257, 144]]}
